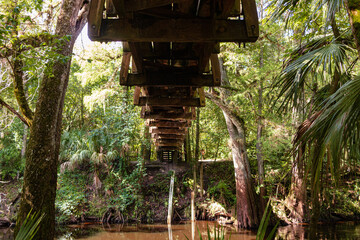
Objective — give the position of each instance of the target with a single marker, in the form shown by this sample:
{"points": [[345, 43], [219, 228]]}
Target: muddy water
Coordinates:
{"points": [[345, 230], [153, 232]]}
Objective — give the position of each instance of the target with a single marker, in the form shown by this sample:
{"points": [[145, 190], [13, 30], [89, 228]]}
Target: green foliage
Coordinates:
{"points": [[11, 163], [223, 193], [71, 197]]}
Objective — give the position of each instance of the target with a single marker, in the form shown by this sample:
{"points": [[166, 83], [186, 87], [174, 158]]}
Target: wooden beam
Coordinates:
{"points": [[168, 136], [201, 97], [251, 18], [169, 116], [135, 49], [215, 68], [180, 141], [170, 79], [137, 92], [124, 70], [173, 30], [168, 131], [95, 18], [206, 50], [168, 102], [168, 144], [166, 148], [169, 124]]}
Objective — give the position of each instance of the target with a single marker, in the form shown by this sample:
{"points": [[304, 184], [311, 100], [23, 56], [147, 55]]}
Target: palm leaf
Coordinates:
{"points": [[321, 57], [338, 124], [30, 226]]}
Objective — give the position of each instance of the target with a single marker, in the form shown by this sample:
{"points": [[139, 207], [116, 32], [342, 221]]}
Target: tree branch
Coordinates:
{"points": [[234, 118], [3, 103]]}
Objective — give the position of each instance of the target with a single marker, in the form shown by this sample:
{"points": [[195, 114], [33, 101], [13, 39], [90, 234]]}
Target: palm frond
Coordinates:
{"points": [[30, 226], [338, 124], [321, 57], [288, 7]]}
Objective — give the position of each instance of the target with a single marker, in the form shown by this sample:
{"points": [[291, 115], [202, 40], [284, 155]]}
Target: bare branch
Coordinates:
{"points": [[3, 103]]}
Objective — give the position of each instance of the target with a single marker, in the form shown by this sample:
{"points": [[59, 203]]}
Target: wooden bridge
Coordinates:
{"points": [[172, 47]]}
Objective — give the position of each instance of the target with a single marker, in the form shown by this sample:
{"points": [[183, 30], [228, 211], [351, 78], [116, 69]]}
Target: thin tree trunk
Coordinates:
{"points": [[23, 149], [197, 134], [259, 154], [146, 146], [40, 177]]}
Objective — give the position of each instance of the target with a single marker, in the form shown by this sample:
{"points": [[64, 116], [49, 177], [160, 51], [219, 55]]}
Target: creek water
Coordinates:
{"points": [[344, 230]]}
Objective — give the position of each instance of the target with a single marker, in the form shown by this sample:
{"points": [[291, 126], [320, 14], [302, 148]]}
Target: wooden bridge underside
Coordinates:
{"points": [[171, 48]]}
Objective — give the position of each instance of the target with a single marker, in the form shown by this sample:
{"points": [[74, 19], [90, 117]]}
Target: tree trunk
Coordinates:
{"points": [[246, 199], [353, 9], [197, 135], [40, 177], [259, 155], [248, 212], [146, 146], [296, 200], [24, 143]]}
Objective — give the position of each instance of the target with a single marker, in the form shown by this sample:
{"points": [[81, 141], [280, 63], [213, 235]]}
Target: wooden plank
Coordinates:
{"points": [[95, 18], [124, 70], [174, 30], [251, 18], [168, 116], [168, 124], [110, 8], [169, 141], [163, 78], [207, 49], [137, 56], [167, 131], [168, 144], [168, 136], [201, 97], [215, 68], [169, 102], [137, 92], [166, 148]]}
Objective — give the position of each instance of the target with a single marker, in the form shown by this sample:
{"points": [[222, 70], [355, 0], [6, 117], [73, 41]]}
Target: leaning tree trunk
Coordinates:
{"points": [[248, 211], [246, 198], [40, 177]]}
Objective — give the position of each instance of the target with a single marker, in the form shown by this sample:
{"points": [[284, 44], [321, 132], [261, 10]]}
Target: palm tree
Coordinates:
{"points": [[332, 126]]}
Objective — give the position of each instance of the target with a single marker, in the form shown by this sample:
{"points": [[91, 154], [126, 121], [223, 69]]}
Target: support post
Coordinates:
{"points": [[171, 193], [201, 179]]}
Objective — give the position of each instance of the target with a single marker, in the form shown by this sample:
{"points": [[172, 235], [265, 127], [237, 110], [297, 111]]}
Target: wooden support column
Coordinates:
{"points": [[137, 92], [137, 56], [95, 18], [124, 70], [215, 68]]}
